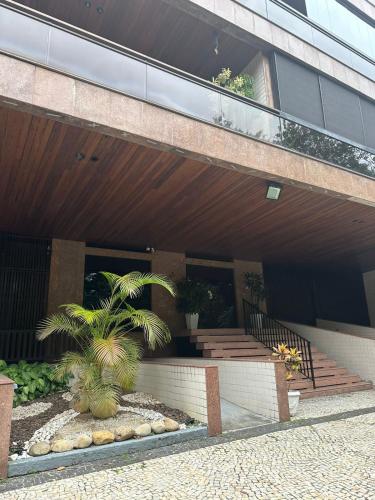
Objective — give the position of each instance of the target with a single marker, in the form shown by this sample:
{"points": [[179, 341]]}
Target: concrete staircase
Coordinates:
{"points": [[234, 344]]}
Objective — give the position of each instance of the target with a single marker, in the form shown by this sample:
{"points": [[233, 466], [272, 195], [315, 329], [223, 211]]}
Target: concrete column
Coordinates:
{"points": [[369, 284], [66, 274], [6, 405], [66, 281], [240, 268], [173, 265]]}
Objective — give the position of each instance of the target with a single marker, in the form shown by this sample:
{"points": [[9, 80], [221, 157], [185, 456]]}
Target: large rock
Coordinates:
{"points": [[39, 449], [171, 425], [83, 441], [61, 445], [158, 427], [123, 433], [102, 437], [143, 430]]}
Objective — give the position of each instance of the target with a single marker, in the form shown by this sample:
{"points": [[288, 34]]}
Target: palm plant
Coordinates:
{"points": [[108, 358]]}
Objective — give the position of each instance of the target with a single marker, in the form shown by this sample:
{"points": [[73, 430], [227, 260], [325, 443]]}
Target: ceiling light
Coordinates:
{"points": [[99, 10], [94, 158], [273, 191], [88, 4]]}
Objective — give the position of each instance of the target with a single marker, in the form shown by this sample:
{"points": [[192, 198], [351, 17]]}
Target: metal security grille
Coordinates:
{"points": [[24, 271]]}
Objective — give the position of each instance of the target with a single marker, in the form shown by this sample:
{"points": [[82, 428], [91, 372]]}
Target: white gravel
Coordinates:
{"points": [[22, 412], [140, 398]]}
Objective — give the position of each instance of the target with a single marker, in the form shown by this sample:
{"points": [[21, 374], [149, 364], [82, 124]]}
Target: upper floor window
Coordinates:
{"points": [[335, 17]]}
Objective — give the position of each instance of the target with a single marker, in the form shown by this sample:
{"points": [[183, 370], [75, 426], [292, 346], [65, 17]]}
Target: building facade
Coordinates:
{"points": [[120, 150]]}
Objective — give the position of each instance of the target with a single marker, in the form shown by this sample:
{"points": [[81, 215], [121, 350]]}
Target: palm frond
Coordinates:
{"points": [[88, 316], [103, 399], [125, 371], [68, 363], [58, 323], [131, 285], [108, 351], [155, 329]]}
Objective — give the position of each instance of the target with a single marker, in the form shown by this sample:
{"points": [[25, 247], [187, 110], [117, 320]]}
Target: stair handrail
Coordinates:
{"points": [[271, 332]]}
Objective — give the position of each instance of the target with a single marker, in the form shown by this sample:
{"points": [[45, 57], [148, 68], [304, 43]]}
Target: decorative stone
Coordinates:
{"points": [[158, 427], [39, 449], [61, 445], [171, 425], [83, 441], [143, 430], [123, 433], [102, 437]]}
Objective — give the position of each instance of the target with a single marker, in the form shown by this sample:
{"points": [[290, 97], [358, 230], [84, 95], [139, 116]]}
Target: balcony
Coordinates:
{"points": [[53, 44]]}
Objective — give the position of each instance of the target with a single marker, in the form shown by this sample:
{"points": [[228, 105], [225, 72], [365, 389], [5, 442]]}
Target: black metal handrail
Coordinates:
{"points": [[271, 333]]}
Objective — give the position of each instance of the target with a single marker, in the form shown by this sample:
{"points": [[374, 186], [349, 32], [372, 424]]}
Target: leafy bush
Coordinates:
{"points": [[33, 379], [242, 84]]}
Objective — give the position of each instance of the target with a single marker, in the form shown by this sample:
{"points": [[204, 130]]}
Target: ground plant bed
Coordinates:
{"points": [[49, 426]]}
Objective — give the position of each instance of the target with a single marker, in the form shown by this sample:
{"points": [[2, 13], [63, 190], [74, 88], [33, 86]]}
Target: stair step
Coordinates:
{"points": [[331, 391], [229, 345], [224, 338], [235, 353], [325, 372], [218, 331], [324, 363], [326, 381]]}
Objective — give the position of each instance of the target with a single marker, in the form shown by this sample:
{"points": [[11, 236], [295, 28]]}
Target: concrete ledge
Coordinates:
{"points": [[68, 458]]}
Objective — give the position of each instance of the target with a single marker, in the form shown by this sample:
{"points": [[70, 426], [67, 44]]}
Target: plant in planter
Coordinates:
{"points": [[254, 282], [108, 359], [292, 360], [192, 298], [242, 84]]}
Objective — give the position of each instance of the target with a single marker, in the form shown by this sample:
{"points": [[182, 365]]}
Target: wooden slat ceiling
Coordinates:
{"points": [[134, 196], [156, 29]]}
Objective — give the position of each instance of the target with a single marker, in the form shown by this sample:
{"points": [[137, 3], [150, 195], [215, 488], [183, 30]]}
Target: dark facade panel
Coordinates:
{"points": [[342, 111], [368, 113], [299, 92]]}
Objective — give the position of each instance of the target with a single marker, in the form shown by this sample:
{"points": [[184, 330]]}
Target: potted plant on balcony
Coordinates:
{"points": [[254, 282], [292, 360], [192, 298]]}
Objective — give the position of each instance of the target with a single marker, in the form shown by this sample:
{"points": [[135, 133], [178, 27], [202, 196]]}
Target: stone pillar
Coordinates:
{"points": [[173, 265], [6, 405], [66, 283], [66, 274], [240, 268]]}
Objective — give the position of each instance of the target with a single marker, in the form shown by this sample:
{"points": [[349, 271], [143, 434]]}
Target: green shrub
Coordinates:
{"points": [[33, 379]]}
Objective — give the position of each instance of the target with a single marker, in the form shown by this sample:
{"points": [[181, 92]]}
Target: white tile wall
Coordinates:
{"points": [[182, 387], [356, 330], [352, 352], [249, 384]]}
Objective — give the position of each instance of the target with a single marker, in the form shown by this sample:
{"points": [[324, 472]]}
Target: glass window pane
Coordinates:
{"points": [[182, 95], [249, 120], [23, 36], [96, 63]]}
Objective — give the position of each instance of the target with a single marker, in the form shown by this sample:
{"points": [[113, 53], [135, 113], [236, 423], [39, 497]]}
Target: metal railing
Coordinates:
{"points": [[271, 333], [48, 42]]}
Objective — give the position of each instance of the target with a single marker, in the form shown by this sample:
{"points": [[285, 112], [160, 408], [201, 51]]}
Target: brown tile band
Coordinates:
{"points": [[213, 401], [6, 405], [282, 391]]}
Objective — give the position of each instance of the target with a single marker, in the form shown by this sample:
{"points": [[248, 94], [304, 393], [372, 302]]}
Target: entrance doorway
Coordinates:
{"points": [[96, 287], [221, 312]]}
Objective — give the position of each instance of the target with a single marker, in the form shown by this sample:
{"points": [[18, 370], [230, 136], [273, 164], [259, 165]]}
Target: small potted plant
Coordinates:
{"points": [[255, 284], [192, 298], [292, 361]]}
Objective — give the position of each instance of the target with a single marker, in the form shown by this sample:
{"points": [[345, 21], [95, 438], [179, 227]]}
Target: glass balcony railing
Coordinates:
{"points": [[48, 42], [321, 36]]}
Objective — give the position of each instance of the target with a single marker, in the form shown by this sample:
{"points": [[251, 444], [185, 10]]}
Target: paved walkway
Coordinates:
{"points": [[331, 460]]}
